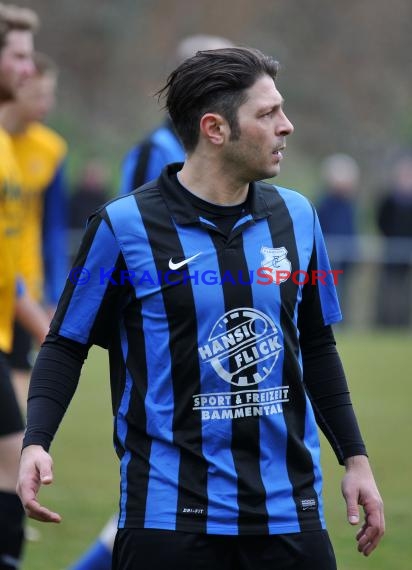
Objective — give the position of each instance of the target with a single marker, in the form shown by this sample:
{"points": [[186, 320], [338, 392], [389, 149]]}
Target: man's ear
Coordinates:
{"points": [[214, 128]]}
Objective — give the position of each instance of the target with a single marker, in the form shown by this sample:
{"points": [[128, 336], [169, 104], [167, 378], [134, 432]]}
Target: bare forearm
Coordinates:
{"points": [[32, 317]]}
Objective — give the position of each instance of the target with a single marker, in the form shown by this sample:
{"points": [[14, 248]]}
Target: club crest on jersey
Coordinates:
{"points": [[243, 347], [276, 259]]}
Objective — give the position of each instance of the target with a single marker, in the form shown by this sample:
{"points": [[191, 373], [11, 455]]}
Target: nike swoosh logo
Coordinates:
{"points": [[176, 266]]}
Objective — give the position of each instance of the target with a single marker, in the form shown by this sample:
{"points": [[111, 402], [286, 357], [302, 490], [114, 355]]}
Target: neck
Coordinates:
{"points": [[210, 180], [11, 120]]}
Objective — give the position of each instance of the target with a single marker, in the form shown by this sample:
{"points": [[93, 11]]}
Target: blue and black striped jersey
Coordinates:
{"points": [[213, 427]]}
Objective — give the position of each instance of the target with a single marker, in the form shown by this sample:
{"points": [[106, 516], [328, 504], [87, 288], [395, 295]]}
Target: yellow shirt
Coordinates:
{"points": [[39, 152], [10, 224]]}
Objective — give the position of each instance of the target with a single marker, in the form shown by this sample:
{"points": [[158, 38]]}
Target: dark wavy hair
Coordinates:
{"points": [[16, 18], [213, 81]]}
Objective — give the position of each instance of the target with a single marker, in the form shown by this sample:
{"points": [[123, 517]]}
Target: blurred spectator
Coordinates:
{"points": [[337, 211], [17, 26], [40, 153], [91, 191], [162, 146], [394, 218]]}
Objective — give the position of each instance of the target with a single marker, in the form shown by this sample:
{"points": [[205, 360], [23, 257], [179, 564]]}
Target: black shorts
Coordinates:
{"points": [[20, 357], [150, 549], [11, 420]]}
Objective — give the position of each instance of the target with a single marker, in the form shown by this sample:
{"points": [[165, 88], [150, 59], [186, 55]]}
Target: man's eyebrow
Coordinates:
{"points": [[275, 106]]}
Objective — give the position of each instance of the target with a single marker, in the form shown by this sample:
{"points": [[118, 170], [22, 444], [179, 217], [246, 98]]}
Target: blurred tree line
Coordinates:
{"points": [[346, 71]]}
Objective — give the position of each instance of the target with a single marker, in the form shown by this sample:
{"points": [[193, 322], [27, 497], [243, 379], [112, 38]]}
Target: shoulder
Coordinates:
{"points": [[8, 165], [162, 134], [165, 141], [160, 141], [122, 207], [49, 140], [126, 215], [293, 200], [5, 142]]}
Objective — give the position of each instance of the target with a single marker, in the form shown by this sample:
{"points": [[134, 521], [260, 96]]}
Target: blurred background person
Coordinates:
{"points": [[337, 211], [90, 192], [394, 220], [40, 153], [162, 146], [16, 66], [142, 163]]}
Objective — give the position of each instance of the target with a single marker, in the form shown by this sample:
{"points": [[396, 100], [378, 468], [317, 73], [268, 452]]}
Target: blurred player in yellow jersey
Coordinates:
{"points": [[16, 46], [40, 154]]}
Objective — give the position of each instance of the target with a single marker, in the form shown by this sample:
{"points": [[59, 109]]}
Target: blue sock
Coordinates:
{"points": [[98, 557]]}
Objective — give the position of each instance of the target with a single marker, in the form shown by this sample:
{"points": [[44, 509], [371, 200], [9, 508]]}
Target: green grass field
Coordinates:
{"points": [[86, 484]]}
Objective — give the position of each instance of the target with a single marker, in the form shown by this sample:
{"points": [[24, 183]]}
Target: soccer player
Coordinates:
{"points": [[16, 45], [143, 163], [40, 153], [162, 146], [222, 360]]}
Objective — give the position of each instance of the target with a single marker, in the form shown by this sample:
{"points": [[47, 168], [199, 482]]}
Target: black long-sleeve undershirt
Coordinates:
{"points": [[53, 382], [57, 370], [326, 385]]}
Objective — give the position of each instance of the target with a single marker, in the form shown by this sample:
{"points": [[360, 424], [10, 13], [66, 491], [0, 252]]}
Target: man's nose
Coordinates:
{"points": [[285, 127]]}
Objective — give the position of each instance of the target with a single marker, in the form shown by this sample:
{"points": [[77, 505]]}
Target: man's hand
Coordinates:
{"points": [[359, 488], [36, 469]]}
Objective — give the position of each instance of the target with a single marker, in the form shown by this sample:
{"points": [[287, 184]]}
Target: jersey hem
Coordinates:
{"points": [[333, 318], [211, 528], [72, 335]]}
